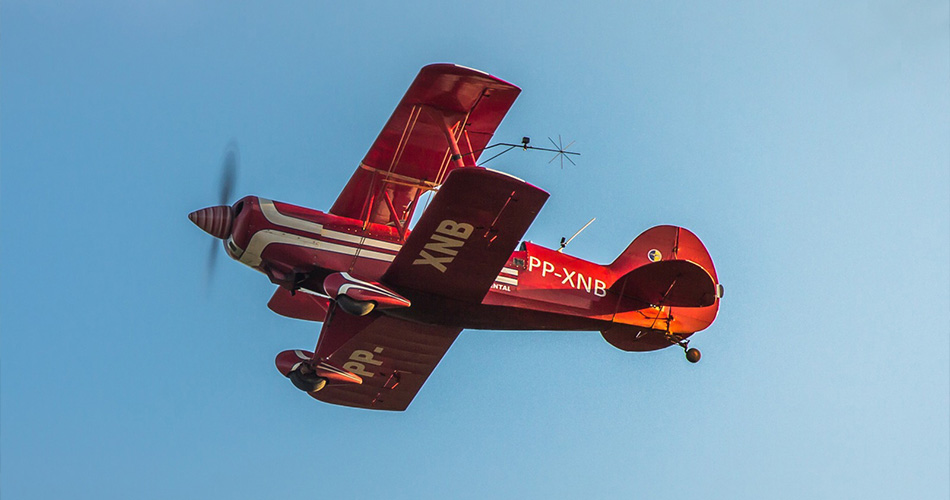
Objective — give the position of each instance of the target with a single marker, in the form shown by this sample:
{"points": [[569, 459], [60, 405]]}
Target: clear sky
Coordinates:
{"points": [[806, 143]]}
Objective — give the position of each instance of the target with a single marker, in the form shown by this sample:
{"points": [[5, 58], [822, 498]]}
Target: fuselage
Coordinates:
{"points": [[538, 288]]}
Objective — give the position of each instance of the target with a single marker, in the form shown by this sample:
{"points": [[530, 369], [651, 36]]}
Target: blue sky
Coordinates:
{"points": [[806, 144]]}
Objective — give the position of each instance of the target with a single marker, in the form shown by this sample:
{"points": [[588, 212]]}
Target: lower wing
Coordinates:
{"points": [[394, 357]]}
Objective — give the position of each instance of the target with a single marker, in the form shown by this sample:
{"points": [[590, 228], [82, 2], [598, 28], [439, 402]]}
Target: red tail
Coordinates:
{"points": [[667, 265]]}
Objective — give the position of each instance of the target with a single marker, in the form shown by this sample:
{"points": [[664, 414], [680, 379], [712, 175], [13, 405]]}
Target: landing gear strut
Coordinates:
{"points": [[692, 353]]}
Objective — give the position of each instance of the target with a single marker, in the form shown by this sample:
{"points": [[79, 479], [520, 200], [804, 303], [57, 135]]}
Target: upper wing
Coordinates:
{"points": [[466, 235], [394, 358], [446, 105]]}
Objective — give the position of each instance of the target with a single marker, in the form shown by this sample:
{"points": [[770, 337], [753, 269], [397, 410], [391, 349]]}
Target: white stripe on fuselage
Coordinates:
{"points": [[361, 240], [507, 281], [510, 279], [264, 237], [275, 217], [259, 241]]}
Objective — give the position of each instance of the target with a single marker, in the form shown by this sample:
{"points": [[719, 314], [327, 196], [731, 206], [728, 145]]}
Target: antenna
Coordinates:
{"points": [[560, 150], [565, 242], [561, 153]]}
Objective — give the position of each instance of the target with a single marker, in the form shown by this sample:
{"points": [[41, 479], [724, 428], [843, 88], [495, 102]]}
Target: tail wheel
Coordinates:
{"points": [[307, 382], [693, 355]]}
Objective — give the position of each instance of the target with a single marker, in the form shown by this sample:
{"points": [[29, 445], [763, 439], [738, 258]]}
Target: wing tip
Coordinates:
{"points": [[458, 69]]}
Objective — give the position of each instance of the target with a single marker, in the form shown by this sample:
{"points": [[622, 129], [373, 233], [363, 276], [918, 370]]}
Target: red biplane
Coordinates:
{"points": [[392, 300]]}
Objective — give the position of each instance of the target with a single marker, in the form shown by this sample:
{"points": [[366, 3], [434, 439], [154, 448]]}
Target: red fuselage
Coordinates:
{"points": [[538, 289]]}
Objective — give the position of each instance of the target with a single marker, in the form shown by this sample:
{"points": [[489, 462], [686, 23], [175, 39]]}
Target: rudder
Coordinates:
{"points": [[662, 243]]}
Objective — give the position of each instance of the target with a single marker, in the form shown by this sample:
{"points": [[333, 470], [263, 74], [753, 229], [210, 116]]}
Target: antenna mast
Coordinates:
{"points": [[565, 242]]}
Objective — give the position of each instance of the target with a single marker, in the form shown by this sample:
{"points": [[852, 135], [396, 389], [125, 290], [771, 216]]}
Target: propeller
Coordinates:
{"points": [[228, 173], [217, 220]]}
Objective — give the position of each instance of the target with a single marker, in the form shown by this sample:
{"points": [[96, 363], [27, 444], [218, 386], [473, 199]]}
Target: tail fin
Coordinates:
{"points": [[667, 265], [663, 243]]}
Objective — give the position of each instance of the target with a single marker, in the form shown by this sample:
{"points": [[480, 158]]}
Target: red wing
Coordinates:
{"points": [[466, 235], [412, 153], [394, 358]]}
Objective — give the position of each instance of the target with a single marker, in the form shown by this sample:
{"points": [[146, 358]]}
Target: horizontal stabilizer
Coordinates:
{"points": [[667, 266], [632, 338], [672, 283]]}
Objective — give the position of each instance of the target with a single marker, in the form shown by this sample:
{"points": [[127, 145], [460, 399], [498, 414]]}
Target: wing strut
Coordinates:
{"points": [[450, 136], [449, 129], [400, 225]]}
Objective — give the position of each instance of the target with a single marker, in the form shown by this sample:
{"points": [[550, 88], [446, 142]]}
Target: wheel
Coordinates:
{"points": [[321, 383], [308, 382], [693, 355], [355, 307]]}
